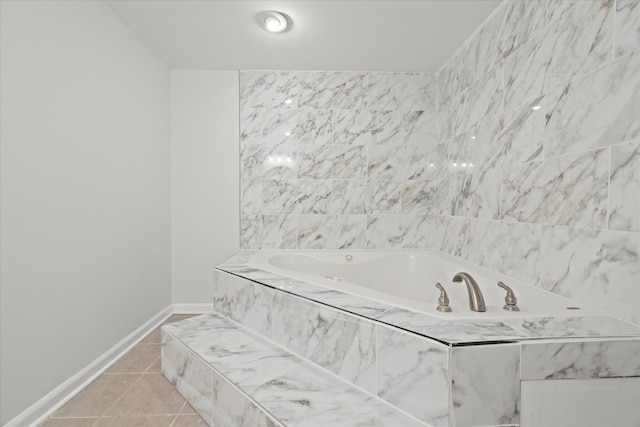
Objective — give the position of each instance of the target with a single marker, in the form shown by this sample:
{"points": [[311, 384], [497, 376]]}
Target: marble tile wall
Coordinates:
{"points": [[337, 159], [521, 154], [538, 150]]}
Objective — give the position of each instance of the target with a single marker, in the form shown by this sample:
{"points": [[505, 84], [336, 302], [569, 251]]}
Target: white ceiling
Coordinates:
{"points": [[377, 35]]}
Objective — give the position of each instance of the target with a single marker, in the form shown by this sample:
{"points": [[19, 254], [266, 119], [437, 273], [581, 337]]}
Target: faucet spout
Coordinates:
{"points": [[476, 300]]}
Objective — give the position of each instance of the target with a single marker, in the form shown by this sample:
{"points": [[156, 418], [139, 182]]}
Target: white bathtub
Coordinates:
{"points": [[407, 279]]}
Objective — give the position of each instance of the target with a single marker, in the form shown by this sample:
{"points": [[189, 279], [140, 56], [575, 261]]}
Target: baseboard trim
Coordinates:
{"points": [[44, 407], [192, 308]]}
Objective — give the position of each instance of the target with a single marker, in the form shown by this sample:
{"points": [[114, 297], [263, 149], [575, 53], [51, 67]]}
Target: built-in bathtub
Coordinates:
{"points": [[407, 279], [369, 318]]}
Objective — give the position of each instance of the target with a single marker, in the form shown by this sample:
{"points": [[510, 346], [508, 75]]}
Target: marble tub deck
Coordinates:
{"points": [[463, 373], [234, 377], [512, 328]]}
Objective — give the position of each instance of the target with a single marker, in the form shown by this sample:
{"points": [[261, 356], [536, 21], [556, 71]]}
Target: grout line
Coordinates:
{"points": [[130, 373], [121, 396], [608, 216]]}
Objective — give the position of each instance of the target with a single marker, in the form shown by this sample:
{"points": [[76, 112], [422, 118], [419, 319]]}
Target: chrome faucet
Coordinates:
{"points": [[476, 300]]}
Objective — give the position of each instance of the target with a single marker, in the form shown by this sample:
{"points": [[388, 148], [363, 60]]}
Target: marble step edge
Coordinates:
{"points": [[234, 377]]}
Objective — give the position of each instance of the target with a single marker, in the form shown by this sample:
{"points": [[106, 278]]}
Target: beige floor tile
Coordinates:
{"points": [[188, 421], [138, 359], [69, 422], [137, 421], [187, 409], [153, 338], [152, 394], [156, 367], [98, 396]]}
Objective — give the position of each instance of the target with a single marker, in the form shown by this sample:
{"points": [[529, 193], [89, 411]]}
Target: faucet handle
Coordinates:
{"points": [[510, 301], [443, 301]]}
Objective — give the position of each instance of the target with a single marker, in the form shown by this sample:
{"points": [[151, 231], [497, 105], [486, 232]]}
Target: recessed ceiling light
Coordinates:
{"points": [[272, 21]]}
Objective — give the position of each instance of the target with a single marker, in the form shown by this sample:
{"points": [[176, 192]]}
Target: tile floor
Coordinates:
{"points": [[131, 393]]}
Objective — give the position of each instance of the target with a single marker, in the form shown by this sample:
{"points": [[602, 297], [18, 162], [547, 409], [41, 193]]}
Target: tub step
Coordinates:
{"points": [[233, 377]]}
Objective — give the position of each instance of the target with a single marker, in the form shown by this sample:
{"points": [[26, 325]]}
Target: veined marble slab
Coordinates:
{"points": [[627, 26], [578, 39], [191, 376], [456, 75], [244, 301], [477, 195], [508, 247], [624, 187], [598, 268], [573, 327], [268, 89], [569, 190], [413, 374], [331, 231], [350, 303], [400, 231], [452, 331], [268, 231], [304, 397], [485, 385], [401, 91], [589, 359], [341, 343], [241, 379], [479, 330], [596, 110], [243, 358], [332, 90]]}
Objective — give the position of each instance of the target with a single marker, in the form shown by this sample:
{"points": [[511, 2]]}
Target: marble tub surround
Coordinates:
{"points": [[425, 366], [413, 374], [234, 377], [247, 358], [562, 142], [589, 359], [237, 282], [441, 372], [337, 159], [306, 397], [485, 385], [339, 342], [450, 331]]}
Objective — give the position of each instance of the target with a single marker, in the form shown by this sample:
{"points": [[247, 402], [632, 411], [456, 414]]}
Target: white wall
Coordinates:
{"points": [[204, 179], [85, 255]]}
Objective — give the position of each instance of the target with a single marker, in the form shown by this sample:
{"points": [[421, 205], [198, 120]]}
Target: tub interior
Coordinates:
{"points": [[407, 280]]}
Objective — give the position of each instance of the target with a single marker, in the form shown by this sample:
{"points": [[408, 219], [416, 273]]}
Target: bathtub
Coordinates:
{"points": [[407, 279]]}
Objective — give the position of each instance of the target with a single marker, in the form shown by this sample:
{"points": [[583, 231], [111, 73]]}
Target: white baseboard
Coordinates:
{"points": [[192, 308], [44, 407]]}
